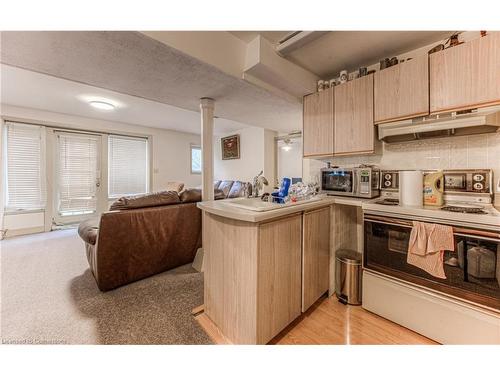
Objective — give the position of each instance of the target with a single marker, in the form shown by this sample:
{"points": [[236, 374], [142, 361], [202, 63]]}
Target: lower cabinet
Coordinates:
{"points": [[259, 277], [279, 276], [315, 255]]}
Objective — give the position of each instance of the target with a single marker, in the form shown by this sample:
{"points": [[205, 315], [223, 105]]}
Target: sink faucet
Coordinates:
{"points": [[258, 181]]}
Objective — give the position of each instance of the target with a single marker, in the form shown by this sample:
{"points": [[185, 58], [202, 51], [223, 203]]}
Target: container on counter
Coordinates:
{"points": [[434, 189]]}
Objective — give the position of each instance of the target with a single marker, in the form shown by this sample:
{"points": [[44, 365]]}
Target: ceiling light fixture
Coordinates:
{"points": [[286, 146], [105, 106]]}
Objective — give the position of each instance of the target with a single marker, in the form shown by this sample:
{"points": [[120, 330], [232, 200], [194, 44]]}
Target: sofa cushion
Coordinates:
{"points": [[219, 194], [161, 198], [216, 184], [175, 186], [237, 190], [225, 186], [194, 195], [190, 195], [88, 229]]}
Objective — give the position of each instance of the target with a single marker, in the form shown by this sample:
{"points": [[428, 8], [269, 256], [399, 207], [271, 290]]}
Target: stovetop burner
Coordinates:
{"points": [[388, 202], [465, 210]]}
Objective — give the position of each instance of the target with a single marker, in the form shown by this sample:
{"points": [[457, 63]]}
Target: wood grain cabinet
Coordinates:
{"points": [[402, 91], [315, 255], [252, 276], [466, 76], [318, 123], [353, 117], [279, 276]]}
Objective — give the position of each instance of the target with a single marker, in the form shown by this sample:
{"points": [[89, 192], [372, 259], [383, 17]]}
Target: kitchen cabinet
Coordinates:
{"points": [[353, 117], [252, 275], [315, 255], [279, 276], [318, 123], [402, 91], [466, 76]]}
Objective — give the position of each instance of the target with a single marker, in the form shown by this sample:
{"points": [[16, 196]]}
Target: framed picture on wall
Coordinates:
{"points": [[230, 147]]}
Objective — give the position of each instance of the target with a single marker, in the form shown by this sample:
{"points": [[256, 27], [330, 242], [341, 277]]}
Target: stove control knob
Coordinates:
{"points": [[387, 183], [387, 176], [478, 177], [478, 186]]}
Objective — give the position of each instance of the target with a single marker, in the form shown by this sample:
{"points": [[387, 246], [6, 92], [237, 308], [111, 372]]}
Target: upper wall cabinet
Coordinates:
{"points": [[353, 112], [466, 76], [318, 124], [402, 91]]}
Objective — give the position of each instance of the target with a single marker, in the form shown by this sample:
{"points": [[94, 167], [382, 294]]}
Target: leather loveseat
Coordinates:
{"points": [[146, 235]]}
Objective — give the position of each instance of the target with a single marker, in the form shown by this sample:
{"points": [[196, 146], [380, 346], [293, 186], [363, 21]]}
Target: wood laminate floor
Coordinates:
{"points": [[330, 322]]}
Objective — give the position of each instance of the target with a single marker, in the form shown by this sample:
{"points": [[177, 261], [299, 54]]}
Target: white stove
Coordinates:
{"points": [[463, 202], [489, 218]]}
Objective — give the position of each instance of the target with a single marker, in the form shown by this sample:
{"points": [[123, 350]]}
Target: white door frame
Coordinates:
{"points": [[52, 213]]}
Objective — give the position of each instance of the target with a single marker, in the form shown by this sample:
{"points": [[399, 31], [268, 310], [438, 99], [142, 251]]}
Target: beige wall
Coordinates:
{"points": [[170, 149], [170, 153], [256, 154], [477, 151]]}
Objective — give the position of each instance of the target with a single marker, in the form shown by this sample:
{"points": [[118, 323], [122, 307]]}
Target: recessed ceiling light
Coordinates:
{"points": [[105, 106]]}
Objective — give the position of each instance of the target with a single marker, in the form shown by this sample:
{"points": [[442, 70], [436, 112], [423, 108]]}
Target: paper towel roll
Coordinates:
{"points": [[411, 188]]}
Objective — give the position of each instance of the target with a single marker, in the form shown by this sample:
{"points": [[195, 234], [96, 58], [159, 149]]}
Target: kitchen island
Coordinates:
{"points": [[264, 269]]}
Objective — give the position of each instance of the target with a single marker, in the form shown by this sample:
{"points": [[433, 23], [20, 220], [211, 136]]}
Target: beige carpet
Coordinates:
{"points": [[48, 295]]}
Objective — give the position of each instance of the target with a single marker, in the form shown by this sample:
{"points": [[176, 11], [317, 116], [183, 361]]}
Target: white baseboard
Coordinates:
{"points": [[21, 232]]}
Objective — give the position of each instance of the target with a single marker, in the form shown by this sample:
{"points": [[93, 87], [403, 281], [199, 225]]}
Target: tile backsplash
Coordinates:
{"points": [[476, 151]]}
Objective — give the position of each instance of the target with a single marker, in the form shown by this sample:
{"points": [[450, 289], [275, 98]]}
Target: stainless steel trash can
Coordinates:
{"points": [[348, 276]]}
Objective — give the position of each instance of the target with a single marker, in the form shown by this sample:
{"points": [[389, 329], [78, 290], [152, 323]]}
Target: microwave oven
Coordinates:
{"points": [[360, 182]]}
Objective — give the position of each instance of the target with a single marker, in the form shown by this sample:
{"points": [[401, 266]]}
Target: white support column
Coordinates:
{"points": [[207, 156]]}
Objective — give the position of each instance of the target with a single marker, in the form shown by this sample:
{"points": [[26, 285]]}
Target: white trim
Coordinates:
{"points": [[191, 147]]}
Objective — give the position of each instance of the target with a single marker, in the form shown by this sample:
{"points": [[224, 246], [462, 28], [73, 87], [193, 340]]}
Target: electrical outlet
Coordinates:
{"points": [[156, 170]]}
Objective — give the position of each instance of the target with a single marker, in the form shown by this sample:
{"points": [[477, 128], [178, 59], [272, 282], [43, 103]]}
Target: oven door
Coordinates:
{"points": [[472, 268], [338, 181]]}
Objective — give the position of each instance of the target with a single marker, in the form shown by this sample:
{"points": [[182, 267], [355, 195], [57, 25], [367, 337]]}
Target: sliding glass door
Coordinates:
{"points": [[78, 176]]}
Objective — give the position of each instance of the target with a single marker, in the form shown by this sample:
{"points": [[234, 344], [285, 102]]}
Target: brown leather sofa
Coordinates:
{"points": [[147, 235]]}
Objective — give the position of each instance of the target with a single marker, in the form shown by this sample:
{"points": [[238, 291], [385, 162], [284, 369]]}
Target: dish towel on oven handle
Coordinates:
{"points": [[427, 245]]}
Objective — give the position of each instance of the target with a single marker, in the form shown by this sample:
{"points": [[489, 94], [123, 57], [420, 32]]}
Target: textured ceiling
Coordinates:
{"points": [[25, 88], [272, 36], [134, 64], [338, 50]]}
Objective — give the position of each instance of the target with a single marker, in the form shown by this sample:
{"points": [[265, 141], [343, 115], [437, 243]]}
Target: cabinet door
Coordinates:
{"points": [[353, 125], [318, 123], [402, 91], [279, 276], [315, 255], [466, 76]]}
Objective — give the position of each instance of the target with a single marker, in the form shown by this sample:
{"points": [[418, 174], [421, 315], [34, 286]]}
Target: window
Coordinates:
{"points": [[128, 166], [78, 172], [25, 181], [195, 159]]}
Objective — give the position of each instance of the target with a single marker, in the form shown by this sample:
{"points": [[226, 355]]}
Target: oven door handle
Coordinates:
{"points": [[383, 220], [463, 232]]}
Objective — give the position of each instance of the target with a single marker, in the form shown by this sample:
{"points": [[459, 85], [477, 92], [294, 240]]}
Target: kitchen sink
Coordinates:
{"points": [[256, 204]]}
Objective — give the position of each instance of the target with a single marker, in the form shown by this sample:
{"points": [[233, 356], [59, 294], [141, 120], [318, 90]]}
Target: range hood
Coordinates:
{"points": [[485, 120]]}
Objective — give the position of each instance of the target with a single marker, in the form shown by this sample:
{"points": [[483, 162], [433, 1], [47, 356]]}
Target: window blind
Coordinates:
{"points": [[128, 166], [78, 173], [25, 187]]}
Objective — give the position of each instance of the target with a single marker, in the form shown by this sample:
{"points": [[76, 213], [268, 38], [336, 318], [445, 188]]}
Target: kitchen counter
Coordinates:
{"points": [[263, 269], [490, 221], [222, 208]]}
